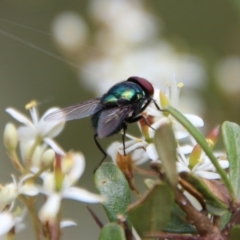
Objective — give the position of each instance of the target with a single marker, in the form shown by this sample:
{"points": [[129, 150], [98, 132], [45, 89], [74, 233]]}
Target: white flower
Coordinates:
{"points": [[135, 147], [204, 168], [170, 97], [59, 185], [191, 158], [35, 135], [10, 192], [9, 220], [37, 129]]}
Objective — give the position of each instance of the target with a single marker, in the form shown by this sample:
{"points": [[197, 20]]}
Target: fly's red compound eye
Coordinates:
{"points": [[145, 84]]}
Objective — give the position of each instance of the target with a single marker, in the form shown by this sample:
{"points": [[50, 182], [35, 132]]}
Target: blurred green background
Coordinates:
{"points": [[95, 44]]}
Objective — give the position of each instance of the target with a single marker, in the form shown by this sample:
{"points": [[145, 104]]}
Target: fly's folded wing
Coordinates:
{"points": [[111, 120]]}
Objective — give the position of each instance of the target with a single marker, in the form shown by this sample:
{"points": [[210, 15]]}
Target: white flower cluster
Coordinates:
{"points": [[40, 157]]}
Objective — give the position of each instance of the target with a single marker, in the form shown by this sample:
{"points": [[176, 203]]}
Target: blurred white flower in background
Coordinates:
{"points": [[157, 63], [227, 74], [70, 31], [124, 23], [126, 41], [129, 36]]}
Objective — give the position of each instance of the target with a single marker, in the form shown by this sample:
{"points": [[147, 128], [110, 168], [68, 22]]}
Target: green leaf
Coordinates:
{"points": [[235, 232], [231, 138], [225, 219], [111, 182], [112, 231], [152, 212], [166, 147], [214, 205], [204, 145], [178, 223]]}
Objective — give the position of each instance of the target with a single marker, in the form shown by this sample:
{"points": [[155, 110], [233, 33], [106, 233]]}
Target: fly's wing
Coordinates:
{"points": [[77, 111], [111, 120]]}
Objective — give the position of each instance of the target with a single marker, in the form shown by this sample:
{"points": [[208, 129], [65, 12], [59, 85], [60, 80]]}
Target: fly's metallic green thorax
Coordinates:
{"points": [[122, 94]]}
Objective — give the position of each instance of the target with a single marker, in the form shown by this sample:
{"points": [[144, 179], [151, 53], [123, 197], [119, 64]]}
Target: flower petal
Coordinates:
{"points": [[82, 195], [180, 134], [195, 120], [152, 152], [224, 164], [19, 117], [67, 223], [208, 175], [186, 149], [181, 167], [50, 128], [50, 209], [57, 149], [139, 156], [26, 134], [77, 169], [29, 189], [6, 222], [112, 150]]}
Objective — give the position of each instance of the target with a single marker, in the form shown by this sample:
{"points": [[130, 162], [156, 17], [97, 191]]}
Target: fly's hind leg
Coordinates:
{"points": [[123, 137], [101, 149]]}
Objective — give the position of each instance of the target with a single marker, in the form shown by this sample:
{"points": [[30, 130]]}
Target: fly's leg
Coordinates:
{"points": [[123, 137], [156, 105], [101, 149], [138, 118], [147, 123]]}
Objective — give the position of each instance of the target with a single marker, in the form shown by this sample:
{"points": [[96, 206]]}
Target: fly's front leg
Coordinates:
{"points": [[156, 105]]}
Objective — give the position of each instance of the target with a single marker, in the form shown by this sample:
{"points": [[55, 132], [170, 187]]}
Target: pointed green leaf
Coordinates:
{"points": [[112, 231], [231, 138], [152, 212], [166, 147], [178, 223], [214, 205], [202, 142], [111, 182], [225, 219], [235, 233]]}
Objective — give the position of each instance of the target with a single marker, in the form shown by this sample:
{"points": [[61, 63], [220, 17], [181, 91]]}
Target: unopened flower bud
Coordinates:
{"points": [[10, 137], [48, 157]]}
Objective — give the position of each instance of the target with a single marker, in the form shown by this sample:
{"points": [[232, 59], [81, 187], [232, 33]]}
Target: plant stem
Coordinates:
{"points": [[29, 203]]}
